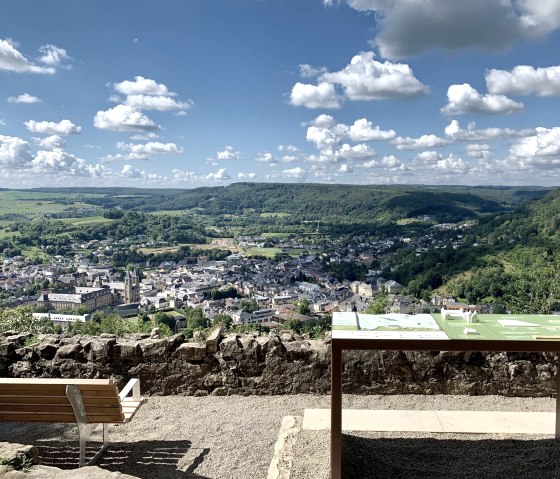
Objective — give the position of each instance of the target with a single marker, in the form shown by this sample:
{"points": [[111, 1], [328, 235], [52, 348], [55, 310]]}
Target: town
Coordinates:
{"points": [[250, 289]]}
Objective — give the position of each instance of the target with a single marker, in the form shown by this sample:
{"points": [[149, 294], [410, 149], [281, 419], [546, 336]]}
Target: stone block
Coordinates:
{"points": [[192, 351]]}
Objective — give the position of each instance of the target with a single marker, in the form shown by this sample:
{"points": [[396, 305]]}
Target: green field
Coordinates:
{"points": [[277, 235], [274, 215], [86, 221]]}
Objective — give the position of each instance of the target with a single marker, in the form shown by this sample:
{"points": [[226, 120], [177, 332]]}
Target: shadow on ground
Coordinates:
{"points": [[427, 458], [143, 459]]}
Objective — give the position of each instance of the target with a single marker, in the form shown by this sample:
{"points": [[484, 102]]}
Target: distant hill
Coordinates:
{"points": [[319, 201]]}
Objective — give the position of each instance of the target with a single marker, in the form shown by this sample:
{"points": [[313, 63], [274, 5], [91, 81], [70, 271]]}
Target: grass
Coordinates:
{"points": [[87, 221], [34, 251], [276, 235], [266, 252]]}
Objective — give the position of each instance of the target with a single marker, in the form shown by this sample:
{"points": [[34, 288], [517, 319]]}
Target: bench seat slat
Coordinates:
{"points": [[88, 401], [63, 382], [69, 418], [54, 391], [60, 408]]}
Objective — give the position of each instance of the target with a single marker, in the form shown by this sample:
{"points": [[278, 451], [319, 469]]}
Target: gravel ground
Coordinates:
{"points": [[176, 437]]}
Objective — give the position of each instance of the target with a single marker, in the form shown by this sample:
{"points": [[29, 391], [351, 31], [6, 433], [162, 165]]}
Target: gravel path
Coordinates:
{"points": [[233, 437]]}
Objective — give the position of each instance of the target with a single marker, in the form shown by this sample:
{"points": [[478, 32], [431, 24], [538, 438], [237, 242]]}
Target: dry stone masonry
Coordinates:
{"points": [[275, 363]]}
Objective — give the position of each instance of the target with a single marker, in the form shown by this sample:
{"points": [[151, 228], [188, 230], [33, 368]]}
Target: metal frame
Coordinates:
{"points": [[85, 428], [339, 345]]}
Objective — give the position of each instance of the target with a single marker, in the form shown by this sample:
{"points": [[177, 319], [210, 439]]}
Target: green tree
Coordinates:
{"points": [[380, 305], [303, 306], [249, 305]]}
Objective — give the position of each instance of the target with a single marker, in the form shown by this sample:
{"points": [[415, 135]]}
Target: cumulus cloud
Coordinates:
{"points": [[59, 161], [51, 142], [144, 136], [53, 55], [307, 71], [14, 152], [290, 148], [451, 165], [345, 169], [455, 132], [322, 95], [142, 86], [297, 172], [371, 164], [367, 79], [542, 149], [246, 176], [64, 127], [525, 80], [267, 157], [229, 153], [12, 60], [479, 150], [129, 171], [425, 141], [409, 28], [220, 175], [290, 158], [123, 118], [363, 130], [159, 102], [151, 148], [23, 98], [465, 99], [363, 79]]}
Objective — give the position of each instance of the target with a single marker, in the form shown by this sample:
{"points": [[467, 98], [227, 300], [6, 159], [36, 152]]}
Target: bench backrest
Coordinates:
{"points": [[45, 400]]}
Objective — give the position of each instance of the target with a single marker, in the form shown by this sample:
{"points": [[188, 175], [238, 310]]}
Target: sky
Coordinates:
{"points": [[189, 93]]}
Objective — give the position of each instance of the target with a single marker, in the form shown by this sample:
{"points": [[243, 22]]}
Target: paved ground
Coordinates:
{"points": [[176, 437]]}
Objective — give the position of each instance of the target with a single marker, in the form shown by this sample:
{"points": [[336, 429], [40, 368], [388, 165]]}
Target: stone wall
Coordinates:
{"points": [[281, 363]]}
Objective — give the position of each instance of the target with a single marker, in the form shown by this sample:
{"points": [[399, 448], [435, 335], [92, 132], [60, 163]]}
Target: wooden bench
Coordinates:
{"points": [[85, 402]]}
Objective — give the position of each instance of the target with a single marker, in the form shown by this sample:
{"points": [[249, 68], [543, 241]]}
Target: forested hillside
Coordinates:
{"points": [[512, 259]]}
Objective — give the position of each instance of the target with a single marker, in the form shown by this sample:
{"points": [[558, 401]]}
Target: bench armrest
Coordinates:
{"points": [[134, 385]]}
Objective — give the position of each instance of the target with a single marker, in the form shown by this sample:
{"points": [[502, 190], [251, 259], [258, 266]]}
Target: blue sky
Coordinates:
{"points": [[208, 92]]}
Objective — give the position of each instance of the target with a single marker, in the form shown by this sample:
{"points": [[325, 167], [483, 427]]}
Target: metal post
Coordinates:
{"points": [[557, 429], [336, 411]]}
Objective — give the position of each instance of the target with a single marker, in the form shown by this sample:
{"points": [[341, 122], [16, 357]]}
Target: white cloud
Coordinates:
{"points": [[451, 165], [53, 55], [345, 169], [123, 118], [266, 157], [51, 142], [310, 96], [425, 141], [144, 136], [356, 152], [12, 60], [129, 171], [307, 71], [59, 161], [290, 148], [367, 79], [151, 148], [479, 150], [363, 130], [525, 80], [455, 132], [297, 172], [64, 127], [542, 149], [23, 98], [408, 28], [246, 176], [371, 164], [184, 176], [220, 175], [229, 153], [465, 99], [391, 162], [159, 102], [142, 86], [14, 152]]}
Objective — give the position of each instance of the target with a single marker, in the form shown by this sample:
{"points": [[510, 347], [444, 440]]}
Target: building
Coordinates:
{"points": [[91, 298]]}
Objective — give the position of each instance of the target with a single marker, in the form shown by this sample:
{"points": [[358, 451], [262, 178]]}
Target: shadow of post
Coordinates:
{"points": [[428, 458]]}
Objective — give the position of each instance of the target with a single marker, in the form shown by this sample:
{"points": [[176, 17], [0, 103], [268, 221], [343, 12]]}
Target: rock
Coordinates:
{"points": [[70, 351], [231, 347], [200, 393], [198, 336], [47, 350], [287, 336], [192, 351], [155, 333], [213, 340]]}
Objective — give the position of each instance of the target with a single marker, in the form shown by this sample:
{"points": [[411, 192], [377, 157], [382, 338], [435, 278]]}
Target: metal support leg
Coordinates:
{"points": [[557, 428], [85, 428], [336, 411]]}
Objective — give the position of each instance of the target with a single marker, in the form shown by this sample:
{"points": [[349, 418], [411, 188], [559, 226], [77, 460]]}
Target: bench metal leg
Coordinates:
{"points": [[85, 428]]}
